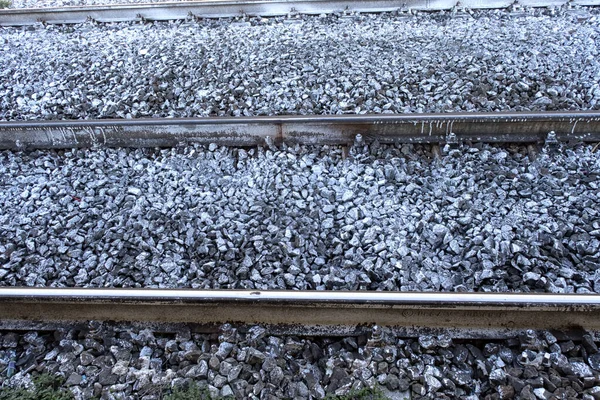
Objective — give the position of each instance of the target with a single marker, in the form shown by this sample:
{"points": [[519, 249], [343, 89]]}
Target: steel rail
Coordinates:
{"points": [[316, 312], [338, 129], [219, 8]]}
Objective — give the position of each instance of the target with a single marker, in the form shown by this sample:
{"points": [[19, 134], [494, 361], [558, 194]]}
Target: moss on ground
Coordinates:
{"points": [[46, 387], [363, 394], [194, 392]]}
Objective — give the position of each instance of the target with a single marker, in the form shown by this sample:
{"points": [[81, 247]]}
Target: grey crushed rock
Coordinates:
{"points": [[433, 62], [277, 219], [135, 363]]}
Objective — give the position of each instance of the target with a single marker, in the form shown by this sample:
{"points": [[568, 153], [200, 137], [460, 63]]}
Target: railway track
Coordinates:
{"points": [[218, 9], [193, 326], [582, 126], [154, 331], [475, 314], [325, 313]]}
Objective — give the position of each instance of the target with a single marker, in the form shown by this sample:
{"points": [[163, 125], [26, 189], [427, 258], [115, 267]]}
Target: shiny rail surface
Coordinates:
{"points": [[306, 312], [582, 126], [220, 8]]}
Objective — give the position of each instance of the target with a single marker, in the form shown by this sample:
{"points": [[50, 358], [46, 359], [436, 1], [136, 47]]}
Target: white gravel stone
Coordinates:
{"points": [[187, 217], [366, 64]]}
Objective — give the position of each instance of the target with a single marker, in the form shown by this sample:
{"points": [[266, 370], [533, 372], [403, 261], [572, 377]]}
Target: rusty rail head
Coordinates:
{"points": [[338, 129]]}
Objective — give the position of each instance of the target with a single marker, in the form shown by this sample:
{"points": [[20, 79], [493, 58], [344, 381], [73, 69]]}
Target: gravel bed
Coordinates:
{"points": [[481, 218], [252, 364], [319, 65]]}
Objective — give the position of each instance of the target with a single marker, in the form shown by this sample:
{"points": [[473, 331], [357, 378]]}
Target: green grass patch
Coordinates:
{"points": [[5, 3], [194, 392], [46, 387], [363, 394]]}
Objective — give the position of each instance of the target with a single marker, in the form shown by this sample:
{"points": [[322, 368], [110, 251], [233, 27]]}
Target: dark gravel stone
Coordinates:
{"points": [[334, 367], [588, 343]]}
